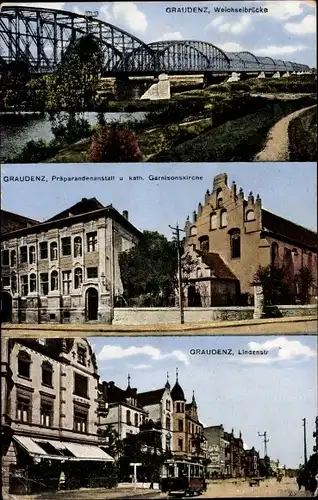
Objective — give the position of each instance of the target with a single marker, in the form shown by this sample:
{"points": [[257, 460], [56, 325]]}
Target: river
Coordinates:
{"points": [[16, 131]]}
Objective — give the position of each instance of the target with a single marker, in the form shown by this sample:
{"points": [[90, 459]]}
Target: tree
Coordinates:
{"points": [[149, 270], [114, 143], [304, 280], [13, 80], [109, 440], [276, 290]]}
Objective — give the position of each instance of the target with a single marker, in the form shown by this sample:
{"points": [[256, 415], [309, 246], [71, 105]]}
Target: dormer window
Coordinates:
{"points": [[81, 355]]}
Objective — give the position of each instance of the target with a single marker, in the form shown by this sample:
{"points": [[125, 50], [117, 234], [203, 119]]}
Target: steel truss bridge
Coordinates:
{"points": [[40, 36]]}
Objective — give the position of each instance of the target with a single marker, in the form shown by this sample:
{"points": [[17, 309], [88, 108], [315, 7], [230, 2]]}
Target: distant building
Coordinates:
{"points": [[251, 463], [234, 455], [49, 407], [66, 269], [216, 451], [232, 236]]}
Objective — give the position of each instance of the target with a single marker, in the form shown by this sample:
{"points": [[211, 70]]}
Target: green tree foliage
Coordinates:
{"points": [[109, 440], [273, 280], [304, 281], [113, 143], [13, 80], [149, 270]]}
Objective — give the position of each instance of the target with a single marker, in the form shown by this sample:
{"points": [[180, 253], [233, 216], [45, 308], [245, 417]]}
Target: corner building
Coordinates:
{"points": [[238, 235], [64, 270]]}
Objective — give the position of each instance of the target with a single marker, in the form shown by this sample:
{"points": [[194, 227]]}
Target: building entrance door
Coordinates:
{"points": [[92, 304], [5, 307]]}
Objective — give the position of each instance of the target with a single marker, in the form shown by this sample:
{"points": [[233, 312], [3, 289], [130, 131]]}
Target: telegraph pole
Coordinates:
{"points": [[176, 233], [305, 441], [315, 435], [264, 435]]}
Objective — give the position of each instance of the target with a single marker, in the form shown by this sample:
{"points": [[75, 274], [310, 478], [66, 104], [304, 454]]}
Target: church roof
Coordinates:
{"points": [[289, 230], [177, 393], [215, 262], [150, 397]]}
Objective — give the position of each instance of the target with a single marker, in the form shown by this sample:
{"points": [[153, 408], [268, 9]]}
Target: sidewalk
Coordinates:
{"points": [[91, 493], [291, 325]]}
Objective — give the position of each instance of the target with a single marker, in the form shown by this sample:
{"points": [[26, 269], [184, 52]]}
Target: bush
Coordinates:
{"points": [[34, 152], [113, 143], [302, 137], [71, 130]]}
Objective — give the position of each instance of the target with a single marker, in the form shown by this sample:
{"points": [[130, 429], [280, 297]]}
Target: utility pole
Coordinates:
{"points": [[315, 435], [264, 435], [305, 441], [176, 233]]}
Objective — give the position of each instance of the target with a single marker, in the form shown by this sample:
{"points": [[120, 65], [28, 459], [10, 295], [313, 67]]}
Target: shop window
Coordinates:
{"points": [[54, 281], [23, 254], [66, 246], [235, 243], [32, 282], [92, 241], [43, 250], [78, 277], [24, 408], [80, 385], [5, 257], [44, 283], [46, 412], [67, 281], [77, 246], [24, 285], [47, 374], [32, 254], [92, 272], [53, 251], [24, 364], [13, 258]]}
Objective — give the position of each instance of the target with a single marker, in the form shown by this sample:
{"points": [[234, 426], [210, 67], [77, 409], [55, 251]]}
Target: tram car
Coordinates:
{"points": [[180, 487]]}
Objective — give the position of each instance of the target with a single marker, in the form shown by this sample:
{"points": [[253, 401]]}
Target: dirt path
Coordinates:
{"points": [[276, 147], [267, 488]]}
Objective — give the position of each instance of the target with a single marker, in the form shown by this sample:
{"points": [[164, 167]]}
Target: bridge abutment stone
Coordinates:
{"points": [[276, 75], [261, 75], [160, 90], [285, 75], [235, 77]]}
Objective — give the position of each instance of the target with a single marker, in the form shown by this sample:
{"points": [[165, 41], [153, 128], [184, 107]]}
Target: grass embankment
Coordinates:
{"points": [[302, 137]]}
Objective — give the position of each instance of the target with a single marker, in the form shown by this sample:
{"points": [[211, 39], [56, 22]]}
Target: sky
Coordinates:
{"points": [[286, 31], [251, 394], [287, 189]]}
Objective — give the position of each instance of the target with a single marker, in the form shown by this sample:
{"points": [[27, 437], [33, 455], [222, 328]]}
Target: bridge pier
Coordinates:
{"points": [[160, 90], [235, 77], [261, 75], [285, 75], [276, 75], [210, 79]]}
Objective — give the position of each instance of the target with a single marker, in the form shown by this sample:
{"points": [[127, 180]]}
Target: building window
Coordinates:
{"points": [[80, 419], [168, 405], [47, 374], [136, 420], [204, 243], [53, 251], [54, 281], [168, 423], [32, 283], [5, 281], [235, 243], [223, 218], [66, 246], [179, 407], [180, 425], [24, 364], [81, 355], [67, 280], [24, 408], [128, 419], [168, 443], [46, 412], [44, 283], [92, 272], [213, 221], [219, 198], [92, 242], [77, 246], [80, 385], [23, 254], [193, 231], [24, 285], [13, 258], [180, 444], [274, 254], [13, 283], [78, 277], [43, 250], [250, 215], [32, 254], [5, 257]]}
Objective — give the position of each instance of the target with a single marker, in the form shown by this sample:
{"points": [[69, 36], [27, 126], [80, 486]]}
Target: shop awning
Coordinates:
{"points": [[60, 450]]}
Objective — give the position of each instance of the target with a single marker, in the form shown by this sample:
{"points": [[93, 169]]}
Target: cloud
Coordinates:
{"points": [[110, 352], [282, 10], [142, 367], [280, 349], [306, 26], [230, 47], [274, 50], [125, 13], [173, 35], [231, 27], [41, 5]]}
